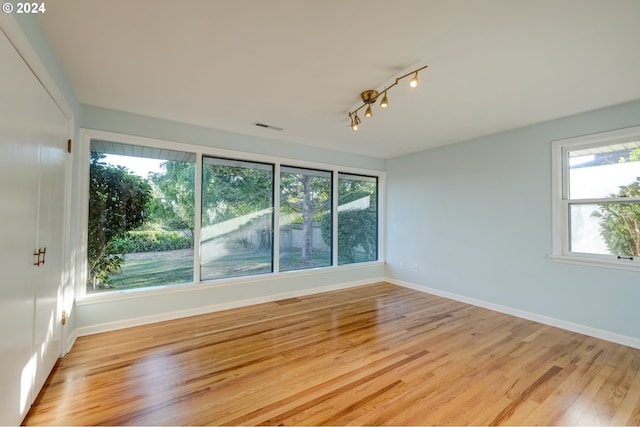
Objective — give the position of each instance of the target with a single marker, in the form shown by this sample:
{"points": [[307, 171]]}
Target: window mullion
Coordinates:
{"points": [[197, 220], [276, 218], [334, 219], [604, 200]]}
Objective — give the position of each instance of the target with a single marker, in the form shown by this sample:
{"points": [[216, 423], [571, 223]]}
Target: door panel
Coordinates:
{"points": [[47, 330]]}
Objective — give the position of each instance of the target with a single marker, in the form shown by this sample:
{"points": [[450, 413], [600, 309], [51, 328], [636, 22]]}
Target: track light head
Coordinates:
{"points": [[414, 81], [385, 101], [354, 124], [368, 113]]}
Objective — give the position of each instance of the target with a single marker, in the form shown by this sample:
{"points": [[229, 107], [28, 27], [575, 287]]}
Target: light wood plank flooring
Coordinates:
{"points": [[372, 355]]}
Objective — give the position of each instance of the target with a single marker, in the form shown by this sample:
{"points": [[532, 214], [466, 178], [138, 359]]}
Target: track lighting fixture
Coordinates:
{"points": [[370, 96]]}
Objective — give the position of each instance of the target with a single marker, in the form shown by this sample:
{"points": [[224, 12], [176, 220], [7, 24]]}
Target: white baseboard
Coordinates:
{"points": [[161, 317], [551, 321]]}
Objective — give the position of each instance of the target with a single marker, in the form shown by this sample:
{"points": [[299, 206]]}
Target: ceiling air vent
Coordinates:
{"points": [[262, 125]]}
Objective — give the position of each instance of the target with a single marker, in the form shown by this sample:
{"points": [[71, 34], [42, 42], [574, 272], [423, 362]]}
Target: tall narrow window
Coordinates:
{"points": [[598, 208], [237, 218], [357, 218], [305, 199], [141, 217]]}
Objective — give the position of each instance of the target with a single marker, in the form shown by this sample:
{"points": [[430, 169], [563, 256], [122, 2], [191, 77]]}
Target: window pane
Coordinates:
{"points": [[357, 219], [141, 218], [237, 218], [599, 172], [608, 229], [305, 218], [585, 230]]}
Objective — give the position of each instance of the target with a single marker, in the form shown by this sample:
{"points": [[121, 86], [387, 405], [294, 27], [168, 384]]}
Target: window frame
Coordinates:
{"points": [[289, 168], [142, 151], [561, 202], [354, 176], [219, 161], [86, 135]]}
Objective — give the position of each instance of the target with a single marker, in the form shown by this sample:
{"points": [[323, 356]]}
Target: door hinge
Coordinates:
{"points": [[68, 146], [64, 318]]}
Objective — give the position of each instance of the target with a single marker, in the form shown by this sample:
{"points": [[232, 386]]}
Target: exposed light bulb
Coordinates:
{"points": [[414, 81], [368, 113], [385, 102], [354, 126]]}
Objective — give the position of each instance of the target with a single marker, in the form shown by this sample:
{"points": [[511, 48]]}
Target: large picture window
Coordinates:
{"points": [[305, 198], [237, 218], [598, 198], [141, 217], [160, 216], [357, 218]]}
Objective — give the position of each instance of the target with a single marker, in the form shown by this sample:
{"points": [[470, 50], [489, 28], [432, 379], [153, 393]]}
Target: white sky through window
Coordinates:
{"points": [[140, 166]]}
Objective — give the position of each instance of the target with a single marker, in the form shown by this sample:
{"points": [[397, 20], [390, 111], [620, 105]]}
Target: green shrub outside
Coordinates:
{"points": [[152, 240], [356, 227]]}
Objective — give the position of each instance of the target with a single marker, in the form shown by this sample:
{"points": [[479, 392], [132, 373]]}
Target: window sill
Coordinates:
{"points": [[127, 294], [597, 262]]}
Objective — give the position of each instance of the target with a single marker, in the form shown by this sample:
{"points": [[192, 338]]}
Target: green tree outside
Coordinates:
{"points": [[118, 203], [356, 227], [173, 198], [620, 222], [306, 196]]}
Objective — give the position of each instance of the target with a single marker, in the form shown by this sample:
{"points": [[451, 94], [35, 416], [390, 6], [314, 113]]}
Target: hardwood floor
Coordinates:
{"points": [[372, 355]]}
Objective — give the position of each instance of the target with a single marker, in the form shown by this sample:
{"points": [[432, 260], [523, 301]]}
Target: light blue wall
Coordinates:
{"points": [[476, 218], [133, 124]]}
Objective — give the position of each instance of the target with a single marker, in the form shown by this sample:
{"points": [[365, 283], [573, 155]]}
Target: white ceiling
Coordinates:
{"points": [[300, 65]]}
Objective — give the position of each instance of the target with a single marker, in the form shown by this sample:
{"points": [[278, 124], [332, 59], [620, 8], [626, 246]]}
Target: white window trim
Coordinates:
{"points": [[560, 203], [86, 135]]}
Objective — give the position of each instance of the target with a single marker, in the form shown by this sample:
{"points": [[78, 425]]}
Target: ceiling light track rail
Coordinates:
{"points": [[370, 96]]}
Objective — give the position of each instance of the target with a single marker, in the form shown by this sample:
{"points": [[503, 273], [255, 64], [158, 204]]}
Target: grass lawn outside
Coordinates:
{"points": [[147, 269]]}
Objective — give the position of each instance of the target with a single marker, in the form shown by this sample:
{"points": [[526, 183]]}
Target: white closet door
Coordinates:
{"points": [[28, 120], [48, 291]]}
